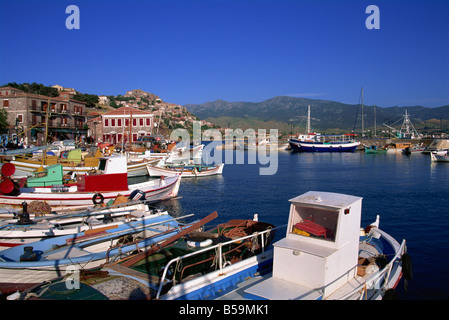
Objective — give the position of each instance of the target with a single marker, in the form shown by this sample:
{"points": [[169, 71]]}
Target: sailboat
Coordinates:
{"points": [[315, 142]]}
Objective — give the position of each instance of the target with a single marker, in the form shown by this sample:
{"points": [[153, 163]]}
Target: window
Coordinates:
{"points": [[148, 122], [119, 122], [5, 103], [141, 122], [134, 122], [106, 122], [112, 122]]}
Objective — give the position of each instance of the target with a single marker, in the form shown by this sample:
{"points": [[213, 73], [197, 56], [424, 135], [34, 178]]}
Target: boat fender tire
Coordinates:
{"points": [[117, 257], [95, 198], [200, 244], [407, 270]]}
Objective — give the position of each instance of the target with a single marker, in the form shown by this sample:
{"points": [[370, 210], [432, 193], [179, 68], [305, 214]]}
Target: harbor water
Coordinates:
{"points": [[409, 193]]}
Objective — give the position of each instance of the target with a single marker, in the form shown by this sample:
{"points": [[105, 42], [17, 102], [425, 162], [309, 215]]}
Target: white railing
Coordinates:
{"points": [[219, 246]]}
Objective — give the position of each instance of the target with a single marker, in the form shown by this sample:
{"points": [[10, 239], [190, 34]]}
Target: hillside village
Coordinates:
{"points": [[168, 116]]}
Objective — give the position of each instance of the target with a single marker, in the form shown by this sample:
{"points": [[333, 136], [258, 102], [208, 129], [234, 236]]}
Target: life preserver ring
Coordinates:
{"points": [[201, 244], [64, 155], [96, 196]]}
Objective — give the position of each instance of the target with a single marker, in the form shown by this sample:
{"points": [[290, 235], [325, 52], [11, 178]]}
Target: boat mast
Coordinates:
{"points": [[375, 133], [407, 129], [44, 152]]}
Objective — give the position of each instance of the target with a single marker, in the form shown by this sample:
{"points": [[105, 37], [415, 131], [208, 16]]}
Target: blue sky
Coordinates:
{"points": [[193, 51]]}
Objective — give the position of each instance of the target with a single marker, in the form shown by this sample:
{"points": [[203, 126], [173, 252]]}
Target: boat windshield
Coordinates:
{"points": [[102, 164]]}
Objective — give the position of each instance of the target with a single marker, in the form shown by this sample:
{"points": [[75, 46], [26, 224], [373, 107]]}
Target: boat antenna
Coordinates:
{"points": [[308, 120]]}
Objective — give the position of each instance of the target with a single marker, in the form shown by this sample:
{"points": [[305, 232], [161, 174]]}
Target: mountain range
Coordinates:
{"points": [[284, 112]]}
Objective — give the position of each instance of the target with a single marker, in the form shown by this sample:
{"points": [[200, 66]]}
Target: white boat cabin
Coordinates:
{"points": [[113, 164], [320, 250]]}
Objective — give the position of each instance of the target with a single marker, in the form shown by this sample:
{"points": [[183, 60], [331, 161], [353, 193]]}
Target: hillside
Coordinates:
{"points": [[326, 115]]}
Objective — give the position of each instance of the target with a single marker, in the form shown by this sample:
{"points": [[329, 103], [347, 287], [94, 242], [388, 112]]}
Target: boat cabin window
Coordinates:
{"points": [[102, 164], [314, 222]]}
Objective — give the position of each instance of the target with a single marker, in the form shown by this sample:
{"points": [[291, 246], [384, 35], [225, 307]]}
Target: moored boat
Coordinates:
{"points": [[31, 264], [326, 256], [25, 229], [374, 149], [415, 149], [440, 146], [326, 143], [194, 266], [398, 147], [186, 171], [109, 179], [74, 163], [435, 157]]}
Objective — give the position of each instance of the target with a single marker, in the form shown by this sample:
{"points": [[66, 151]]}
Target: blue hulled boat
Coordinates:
{"points": [[325, 143]]}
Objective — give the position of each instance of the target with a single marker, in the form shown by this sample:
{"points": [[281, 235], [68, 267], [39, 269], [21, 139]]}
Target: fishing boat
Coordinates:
{"points": [[415, 149], [74, 160], [326, 143], [25, 229], [31, 264], [315, 142], [398, 147], [440, 146], [186, 171], [374, 149], [174, 154], [435, 157], [191, 265], [50, 185], [325, 255]]}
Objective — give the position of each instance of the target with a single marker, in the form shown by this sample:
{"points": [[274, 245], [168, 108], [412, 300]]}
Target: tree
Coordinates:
{"points": [[91, 100], [3, 121], [36, 88]]}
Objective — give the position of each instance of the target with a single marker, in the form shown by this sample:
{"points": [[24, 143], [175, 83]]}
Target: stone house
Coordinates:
{"points": [[29, 116]]}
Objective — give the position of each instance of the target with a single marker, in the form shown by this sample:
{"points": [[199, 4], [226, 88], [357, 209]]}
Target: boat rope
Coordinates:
{"points": [[255, 242], [178, 269]]}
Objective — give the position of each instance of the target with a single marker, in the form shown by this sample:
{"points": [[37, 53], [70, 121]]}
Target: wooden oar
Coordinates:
{"points": [[128, 262]]}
